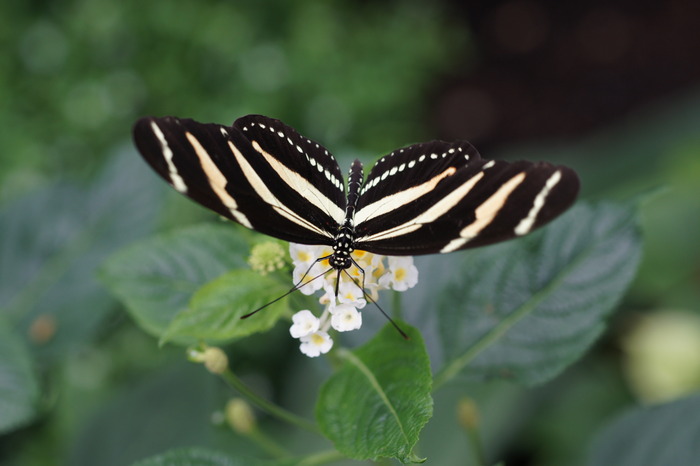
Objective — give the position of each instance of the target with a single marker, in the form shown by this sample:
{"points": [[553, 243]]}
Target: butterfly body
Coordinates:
{"points": [[344, 240], [434, 197]]}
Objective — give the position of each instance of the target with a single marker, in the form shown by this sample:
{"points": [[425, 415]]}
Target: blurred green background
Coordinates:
{"points": [[609, 88]]}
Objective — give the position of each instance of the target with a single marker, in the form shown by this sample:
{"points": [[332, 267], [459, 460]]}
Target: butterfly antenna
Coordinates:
{"points": [[292, 290], [370, 299]]}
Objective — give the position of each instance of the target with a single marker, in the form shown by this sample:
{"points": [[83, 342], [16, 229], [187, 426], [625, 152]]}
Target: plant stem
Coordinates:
{"points": [[233, 381], [268, 444], [477, 446], [322, 457], [396, 308], [468, 417]]}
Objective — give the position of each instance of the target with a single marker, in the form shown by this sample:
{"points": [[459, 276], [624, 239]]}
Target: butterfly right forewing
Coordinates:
{"points": [[239, 174]]}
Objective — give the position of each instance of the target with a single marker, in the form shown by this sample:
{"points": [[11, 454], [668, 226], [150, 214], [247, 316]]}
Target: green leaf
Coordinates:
{"points": [[215, 311], [657, 436], [526, 309], [53, 240], [168, 408], [378, 402], [19, 389], [194, 457], [157, 277]]}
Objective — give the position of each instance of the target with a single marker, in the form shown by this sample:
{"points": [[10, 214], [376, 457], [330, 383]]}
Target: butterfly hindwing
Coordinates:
{"points": [[245, 179]]}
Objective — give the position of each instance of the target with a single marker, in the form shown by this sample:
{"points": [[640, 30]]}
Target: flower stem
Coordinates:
{"points": [[268, 444], [468, 417], [477, 446], [233, 381], [396, 308]]}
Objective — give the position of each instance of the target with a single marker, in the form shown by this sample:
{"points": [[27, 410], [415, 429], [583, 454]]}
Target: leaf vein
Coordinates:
{"points": [[357, 362]]}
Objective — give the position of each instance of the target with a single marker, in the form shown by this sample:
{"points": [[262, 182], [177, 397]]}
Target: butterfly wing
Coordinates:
{"points": [[258, 172], [442, 197]]}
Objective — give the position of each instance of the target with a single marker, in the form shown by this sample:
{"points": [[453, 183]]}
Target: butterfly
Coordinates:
{"points": [[433, 197]]}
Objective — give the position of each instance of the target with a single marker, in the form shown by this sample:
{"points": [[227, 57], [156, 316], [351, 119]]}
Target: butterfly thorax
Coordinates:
{"points": [[344, 241]]}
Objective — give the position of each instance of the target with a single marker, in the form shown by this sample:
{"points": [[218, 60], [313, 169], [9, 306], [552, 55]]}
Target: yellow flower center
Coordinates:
{"points": [[317, 339], [400, 274], [379, 271]]}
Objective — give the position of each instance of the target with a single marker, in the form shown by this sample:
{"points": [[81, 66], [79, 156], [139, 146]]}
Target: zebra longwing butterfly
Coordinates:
{"points": [[434, 197]]}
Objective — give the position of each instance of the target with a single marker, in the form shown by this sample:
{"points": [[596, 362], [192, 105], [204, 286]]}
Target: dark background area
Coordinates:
{"points": [[552, 70]]}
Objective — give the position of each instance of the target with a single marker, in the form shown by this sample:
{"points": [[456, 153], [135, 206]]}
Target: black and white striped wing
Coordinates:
{"points": [[442, 197], [259, 172]]}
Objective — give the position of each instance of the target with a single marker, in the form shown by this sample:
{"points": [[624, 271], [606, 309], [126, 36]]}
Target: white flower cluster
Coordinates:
{"points": [[341, 311]]}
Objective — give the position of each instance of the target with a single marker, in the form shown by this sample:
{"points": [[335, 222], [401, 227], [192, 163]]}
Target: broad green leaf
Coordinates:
{"points": [[658, 436], [19, 389], [157, 277], [214, 313], [167, 408], [194, 457], [52, 241], [378, 402], [526, 309]]}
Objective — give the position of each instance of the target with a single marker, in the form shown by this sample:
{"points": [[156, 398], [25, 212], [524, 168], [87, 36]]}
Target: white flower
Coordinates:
{"points": [[304, 254], [306, 267], [303, 276], [345, 318], [316, 344], [364, 258], [402, 274], [350, 293], [305, 323], [357, 275], [367, 275], [375, 277]]}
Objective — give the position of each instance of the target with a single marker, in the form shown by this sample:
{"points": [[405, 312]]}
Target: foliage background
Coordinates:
{"points": [[610, 90]]}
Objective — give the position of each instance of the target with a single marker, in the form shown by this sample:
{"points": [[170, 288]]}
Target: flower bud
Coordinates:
{"points": [[467, 414], [266, 257], [214, 359], [239, 416], [662, 355]]}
